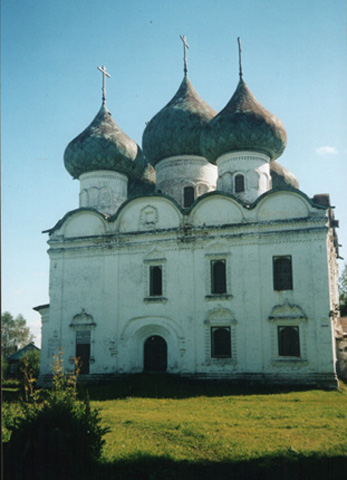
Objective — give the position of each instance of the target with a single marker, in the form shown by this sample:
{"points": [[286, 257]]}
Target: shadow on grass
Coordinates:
{"points": [[286, 467], [267, 468], [174, 386]]}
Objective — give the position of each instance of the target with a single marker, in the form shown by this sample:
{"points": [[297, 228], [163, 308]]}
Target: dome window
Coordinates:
{"points": [[188, 196], [239, 183]]}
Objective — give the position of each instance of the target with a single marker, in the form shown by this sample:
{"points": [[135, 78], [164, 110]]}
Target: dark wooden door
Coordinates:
{"points": [[83, 355], [83, 350], [155, 354]]}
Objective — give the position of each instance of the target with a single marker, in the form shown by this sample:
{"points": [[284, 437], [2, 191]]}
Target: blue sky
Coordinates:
{"points": [[294, 61]]}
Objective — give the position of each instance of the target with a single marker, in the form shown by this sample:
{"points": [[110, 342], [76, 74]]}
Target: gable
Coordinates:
{"points": [[148, 213], [215, 210], [282, 205], [83, 223]]}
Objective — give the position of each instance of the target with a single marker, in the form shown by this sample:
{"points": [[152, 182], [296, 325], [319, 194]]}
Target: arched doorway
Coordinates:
{"points": [[155, 354]]}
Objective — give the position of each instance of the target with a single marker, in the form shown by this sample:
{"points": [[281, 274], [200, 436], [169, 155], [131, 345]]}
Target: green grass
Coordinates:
{"points": [[163, 427], [226, 428]]}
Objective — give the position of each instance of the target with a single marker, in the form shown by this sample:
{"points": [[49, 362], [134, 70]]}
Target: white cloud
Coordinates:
{"points": [[326, 151]]}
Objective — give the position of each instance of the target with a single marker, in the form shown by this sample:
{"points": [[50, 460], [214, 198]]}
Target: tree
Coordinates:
{"points": [[343, 292], [14, 333]]}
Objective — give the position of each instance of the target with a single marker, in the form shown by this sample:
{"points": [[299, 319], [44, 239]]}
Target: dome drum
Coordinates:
{"points": [[103, 190], [175, 174], [244, 174]]}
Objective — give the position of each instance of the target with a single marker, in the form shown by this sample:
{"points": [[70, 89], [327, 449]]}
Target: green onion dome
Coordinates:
{"points": [[282, 177], [176, 129], [103, 146], [244, 124]]}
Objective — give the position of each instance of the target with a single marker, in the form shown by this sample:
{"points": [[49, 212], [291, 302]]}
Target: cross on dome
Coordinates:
{"points": [[185, 46], [240, 50], [104, 75]]}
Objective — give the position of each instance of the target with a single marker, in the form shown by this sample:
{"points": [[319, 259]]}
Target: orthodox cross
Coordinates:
{"points": [[185, 46], [104, 75], [240, 50]]}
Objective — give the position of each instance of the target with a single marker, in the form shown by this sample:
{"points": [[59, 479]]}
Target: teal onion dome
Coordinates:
{"points": [[282, 177], [103, 146], [176, 129], [244, 124]]}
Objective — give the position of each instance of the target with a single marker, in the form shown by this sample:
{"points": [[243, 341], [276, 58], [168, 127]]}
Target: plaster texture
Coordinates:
{"points": [[255, 169], [100, 275], [176, 173], [103, 190]]}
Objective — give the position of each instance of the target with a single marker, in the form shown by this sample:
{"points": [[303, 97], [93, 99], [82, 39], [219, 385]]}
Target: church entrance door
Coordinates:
{"points": [[155, 354], [83, 350]]}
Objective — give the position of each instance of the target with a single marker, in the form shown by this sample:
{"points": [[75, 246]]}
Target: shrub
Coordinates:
{"points": [[27, 371], [30, 361], [4, 367], [59, 437]]}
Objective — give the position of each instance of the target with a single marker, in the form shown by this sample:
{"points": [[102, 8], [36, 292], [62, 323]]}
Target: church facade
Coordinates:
{"points": [[197, 255]]}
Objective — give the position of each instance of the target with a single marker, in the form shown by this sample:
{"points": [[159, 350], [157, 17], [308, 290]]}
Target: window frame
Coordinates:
{"points": [[224, 255], [213, 330], [286, 315], [284, 349], [282, 280], [154, 278], [147, 264], [239, 176], [215, 282]]}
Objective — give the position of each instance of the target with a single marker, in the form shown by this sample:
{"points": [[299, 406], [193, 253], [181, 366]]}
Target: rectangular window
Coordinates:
{"points": [[218, 277], [288, 341], [282, 273], [239, 183], [155, 281], [188, 194], [220, 342]]}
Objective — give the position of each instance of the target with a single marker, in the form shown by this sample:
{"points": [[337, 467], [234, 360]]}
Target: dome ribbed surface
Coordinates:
{"points": [[244, 124], [103, 146], [282, 177], [176, 129]]}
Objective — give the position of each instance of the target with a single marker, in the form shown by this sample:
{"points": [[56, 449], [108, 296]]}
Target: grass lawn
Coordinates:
{"points": [[163, 427], [172, 423]]}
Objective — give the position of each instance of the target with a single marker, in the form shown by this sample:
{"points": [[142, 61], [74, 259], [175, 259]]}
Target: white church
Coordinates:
{"points": [[197, 255]]}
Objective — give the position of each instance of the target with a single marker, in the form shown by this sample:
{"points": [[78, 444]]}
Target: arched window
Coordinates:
{"points": [[282, 273], [220, 342], [188, 194], [155, 281], [239, 183], [218, 276], [288, 342]]}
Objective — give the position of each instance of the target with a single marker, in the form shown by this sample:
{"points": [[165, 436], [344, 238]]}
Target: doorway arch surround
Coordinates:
{"points": [[139, 329]]}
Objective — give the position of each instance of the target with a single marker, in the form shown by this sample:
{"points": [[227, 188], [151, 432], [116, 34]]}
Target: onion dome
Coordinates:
{"points": [[143, 185], [176, 129], [282, 177], [103, 146], [244, 124]]}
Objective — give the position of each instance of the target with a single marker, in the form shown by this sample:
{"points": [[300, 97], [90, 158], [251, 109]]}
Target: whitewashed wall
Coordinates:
{"points": [[101, 269]]}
